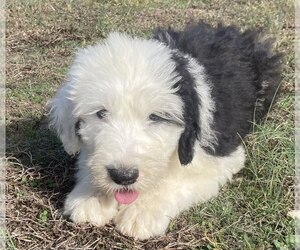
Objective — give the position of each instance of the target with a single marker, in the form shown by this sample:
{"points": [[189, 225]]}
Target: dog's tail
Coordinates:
{"points": [[267, 67]]}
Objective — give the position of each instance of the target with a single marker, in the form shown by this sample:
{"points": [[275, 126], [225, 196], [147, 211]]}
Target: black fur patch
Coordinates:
{"points": [[243, 71], [188, 93]]}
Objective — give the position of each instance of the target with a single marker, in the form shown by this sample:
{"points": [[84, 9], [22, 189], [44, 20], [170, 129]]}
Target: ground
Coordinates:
{"points": [[42, 36]]}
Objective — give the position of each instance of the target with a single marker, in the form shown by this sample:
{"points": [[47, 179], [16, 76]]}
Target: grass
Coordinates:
{"points": [[42, 37]]}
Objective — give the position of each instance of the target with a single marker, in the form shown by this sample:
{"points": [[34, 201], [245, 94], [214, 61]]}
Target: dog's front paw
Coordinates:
{"points": [[141, 222], [94, 210]]}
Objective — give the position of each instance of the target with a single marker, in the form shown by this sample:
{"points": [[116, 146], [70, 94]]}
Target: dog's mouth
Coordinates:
{"points": [[126, 196]]}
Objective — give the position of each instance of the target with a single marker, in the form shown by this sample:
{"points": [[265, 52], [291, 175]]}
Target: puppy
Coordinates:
{"points": [[158, 123]]}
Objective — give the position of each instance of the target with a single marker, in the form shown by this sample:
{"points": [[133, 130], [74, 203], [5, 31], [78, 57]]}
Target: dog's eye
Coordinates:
{"points": [[101, 113], [156, 118]]}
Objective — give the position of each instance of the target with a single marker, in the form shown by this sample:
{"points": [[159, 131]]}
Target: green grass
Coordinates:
{"points": [[42, 38], [252, 211], [10, 244]]}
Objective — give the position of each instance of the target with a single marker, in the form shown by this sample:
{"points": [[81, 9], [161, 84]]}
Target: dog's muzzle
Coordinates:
{"points": [[123, 175]]}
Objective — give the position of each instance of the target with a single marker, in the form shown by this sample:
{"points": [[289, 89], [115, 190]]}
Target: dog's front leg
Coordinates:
{"points": [[151, 213], [85, 204], [143, 219]]}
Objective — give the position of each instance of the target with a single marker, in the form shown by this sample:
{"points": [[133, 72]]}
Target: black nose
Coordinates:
{"points": [[122, 175]]}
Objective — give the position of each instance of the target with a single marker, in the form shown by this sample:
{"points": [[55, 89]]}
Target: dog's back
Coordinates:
{"points": [[243, 71]]}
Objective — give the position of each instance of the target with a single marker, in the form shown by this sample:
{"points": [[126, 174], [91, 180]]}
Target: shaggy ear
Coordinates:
{"points": [[186, 145], [187, 90], [62, 121]]}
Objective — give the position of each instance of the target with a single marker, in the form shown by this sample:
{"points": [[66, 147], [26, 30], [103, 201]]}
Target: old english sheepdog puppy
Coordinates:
{"points": [[158, 123]]}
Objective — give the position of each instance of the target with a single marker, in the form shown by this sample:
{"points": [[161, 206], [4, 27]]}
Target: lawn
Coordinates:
{"points": [[251, 212]]}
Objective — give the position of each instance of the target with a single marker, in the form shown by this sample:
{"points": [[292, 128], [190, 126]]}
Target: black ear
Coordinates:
{"points": [[187, 91], [186, 145]]}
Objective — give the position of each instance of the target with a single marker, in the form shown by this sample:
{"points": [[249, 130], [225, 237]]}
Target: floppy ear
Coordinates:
{"points": [[186, 89], [186, 144], [62, 121]]}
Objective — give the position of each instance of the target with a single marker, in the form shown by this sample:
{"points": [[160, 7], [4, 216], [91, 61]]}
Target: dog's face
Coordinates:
{"points": [[121, 109], [132, 132]]}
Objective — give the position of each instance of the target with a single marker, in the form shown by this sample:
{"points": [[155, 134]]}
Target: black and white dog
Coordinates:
{"points": [[158, 123]]}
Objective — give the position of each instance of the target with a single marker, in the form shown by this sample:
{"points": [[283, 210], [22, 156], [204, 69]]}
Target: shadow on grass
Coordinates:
{"points": [[36, 151]]}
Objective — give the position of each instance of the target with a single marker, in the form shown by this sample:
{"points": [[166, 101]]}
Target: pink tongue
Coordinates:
{"points": [[126, 197]]}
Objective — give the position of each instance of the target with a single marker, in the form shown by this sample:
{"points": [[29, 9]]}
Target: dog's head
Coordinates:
{"points": [[129, 106]]}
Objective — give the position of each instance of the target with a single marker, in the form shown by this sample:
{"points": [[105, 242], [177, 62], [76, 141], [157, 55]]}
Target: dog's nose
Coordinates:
{"points": [[122, 175]]}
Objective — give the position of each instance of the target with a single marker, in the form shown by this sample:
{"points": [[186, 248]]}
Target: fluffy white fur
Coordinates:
{"points": [[133, 78]]}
